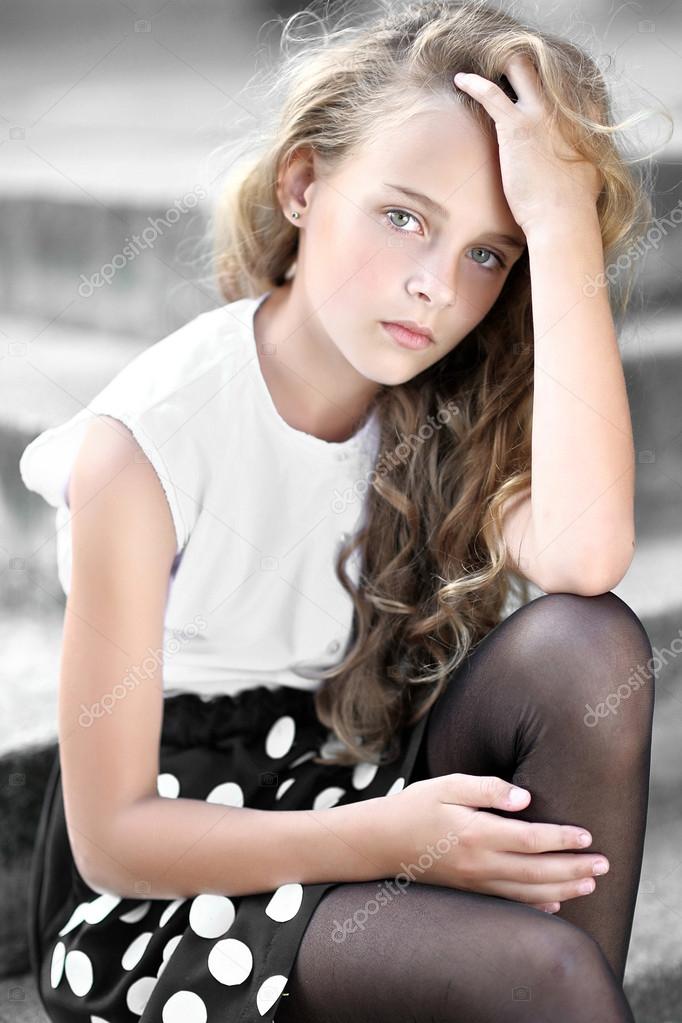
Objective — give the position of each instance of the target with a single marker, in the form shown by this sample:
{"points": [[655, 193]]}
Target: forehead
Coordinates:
{"points": [[438, 148]]}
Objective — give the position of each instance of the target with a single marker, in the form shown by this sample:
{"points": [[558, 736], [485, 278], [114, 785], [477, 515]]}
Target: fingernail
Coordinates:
{"points": [[516, 797], [584, 839], [600, 867]]}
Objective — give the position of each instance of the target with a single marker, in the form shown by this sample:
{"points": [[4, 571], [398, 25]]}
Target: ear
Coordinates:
{"points": [[295, 179]]}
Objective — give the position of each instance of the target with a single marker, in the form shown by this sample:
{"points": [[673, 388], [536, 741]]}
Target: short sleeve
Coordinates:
{"points": [[157, 396]]}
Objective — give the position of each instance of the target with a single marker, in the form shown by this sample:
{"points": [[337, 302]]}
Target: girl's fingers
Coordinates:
{"points": [[544, 868], [536, 893], [524, 78], [487, 93], [503, 833]]}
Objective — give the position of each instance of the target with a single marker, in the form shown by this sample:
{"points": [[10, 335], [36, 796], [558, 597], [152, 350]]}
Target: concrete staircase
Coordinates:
{"points": [[62, 338]]}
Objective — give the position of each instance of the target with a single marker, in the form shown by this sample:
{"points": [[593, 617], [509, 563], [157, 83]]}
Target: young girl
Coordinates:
{"points": [[292, 711]]}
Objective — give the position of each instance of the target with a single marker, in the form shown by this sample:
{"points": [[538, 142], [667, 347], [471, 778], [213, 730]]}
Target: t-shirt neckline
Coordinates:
{"points": [[342, 448]]}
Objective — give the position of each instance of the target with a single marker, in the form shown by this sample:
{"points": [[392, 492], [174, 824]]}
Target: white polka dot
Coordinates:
{"points": [[284, 787], [230, 961], [184, 1007], [229, 793], [171, 946], [397, 786], [78, 969], [168, 786], [139, 993], [136, 913], [76, 918], [302, 759], [94, 912], [269, 992], [286, 902], [57, 967], [135, 951], [363, 774], [211, 915], [328, 797], [279, 739], [169, 910], [168, 952], [331, 746]]}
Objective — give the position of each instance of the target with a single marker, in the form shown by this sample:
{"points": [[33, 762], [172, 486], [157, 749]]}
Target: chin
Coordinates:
{"points": [[390, 375]]}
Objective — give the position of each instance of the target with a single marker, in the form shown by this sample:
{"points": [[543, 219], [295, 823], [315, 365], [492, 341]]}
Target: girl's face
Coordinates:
{"points": [[369, 252]]}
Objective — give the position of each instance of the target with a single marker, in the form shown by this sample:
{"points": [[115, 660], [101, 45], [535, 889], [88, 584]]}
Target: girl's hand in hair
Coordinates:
{"points": [[542, 174], [435, 829]]}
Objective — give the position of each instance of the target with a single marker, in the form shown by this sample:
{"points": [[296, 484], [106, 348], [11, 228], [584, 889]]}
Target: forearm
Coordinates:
{"points": [[582, 450], [172, 848]]}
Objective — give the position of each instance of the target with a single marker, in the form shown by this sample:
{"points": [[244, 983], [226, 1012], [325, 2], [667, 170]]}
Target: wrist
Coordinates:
{"points": [[342, 843], [562, 224]]}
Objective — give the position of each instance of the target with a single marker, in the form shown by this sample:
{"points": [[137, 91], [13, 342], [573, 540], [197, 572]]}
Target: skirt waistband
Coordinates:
{"points": [[189, 720]]}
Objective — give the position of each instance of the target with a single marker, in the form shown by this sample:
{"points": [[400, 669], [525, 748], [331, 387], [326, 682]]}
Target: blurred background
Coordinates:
{"points": [[112, 119]]}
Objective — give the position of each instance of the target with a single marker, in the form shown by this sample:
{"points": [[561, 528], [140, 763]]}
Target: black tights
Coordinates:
{"points": [[515, 708]]}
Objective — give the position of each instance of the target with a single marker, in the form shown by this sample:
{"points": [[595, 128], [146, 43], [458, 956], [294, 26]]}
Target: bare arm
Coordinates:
{"points": [[125, 838], [168, 848], [577, 532]]}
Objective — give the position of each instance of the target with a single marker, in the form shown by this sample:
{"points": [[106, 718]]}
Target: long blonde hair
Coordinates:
{"points": [[434, 573]]}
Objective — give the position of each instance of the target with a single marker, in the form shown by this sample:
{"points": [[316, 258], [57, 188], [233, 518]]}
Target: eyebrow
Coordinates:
{"points": [[435, 207]]}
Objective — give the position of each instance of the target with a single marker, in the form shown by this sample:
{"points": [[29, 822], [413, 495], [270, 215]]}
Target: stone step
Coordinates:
{"points": [[48, 374], [140, 270], [112, 145]]}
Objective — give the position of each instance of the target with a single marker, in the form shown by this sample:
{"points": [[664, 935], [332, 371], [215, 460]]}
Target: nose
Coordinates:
{"points": [[436, 287]]}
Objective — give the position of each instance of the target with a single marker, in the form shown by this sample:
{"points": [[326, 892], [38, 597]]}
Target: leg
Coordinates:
{"points": [[525, 705], [430, 954]]}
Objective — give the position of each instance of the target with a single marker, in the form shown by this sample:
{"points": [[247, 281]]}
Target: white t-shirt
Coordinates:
{"points": [[259, 508]]}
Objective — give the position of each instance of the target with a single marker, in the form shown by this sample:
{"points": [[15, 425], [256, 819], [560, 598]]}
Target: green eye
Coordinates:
{"points": [[488, 253], [399, 213]]}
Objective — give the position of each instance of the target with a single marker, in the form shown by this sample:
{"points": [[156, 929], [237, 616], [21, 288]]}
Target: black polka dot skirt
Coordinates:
{"points": [[106, 959]]}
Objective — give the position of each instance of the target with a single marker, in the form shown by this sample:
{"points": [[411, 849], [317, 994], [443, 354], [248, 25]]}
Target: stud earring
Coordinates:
{"points": [[295, 214]]}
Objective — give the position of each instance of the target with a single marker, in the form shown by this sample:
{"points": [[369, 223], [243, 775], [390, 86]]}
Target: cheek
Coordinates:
{"points": [[352, 243], [477, 290], [345, 268]]}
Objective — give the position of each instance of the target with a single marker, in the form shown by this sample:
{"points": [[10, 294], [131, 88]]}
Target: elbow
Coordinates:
{"points": [[598, 572], [91, 874], [95, 868]]}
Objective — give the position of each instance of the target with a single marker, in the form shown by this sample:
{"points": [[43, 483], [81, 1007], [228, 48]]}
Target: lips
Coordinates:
{"points": [[415, 327], [407, 336]]}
